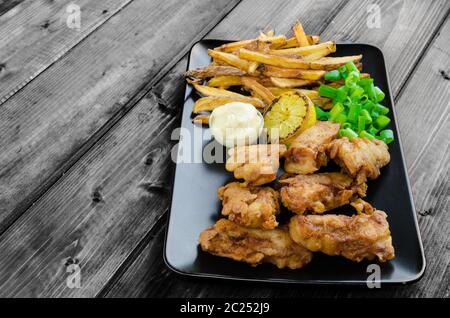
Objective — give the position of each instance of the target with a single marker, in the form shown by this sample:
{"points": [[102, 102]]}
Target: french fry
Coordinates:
{"points": [[273, 59], [230, 59], [253, 85], [332, 63], [202, 119], [225, 81], [313, 39], [290, 82], [292, 42], [214, 70], [217, 92], [323, 48], [312, 94], [275, 71], [210, 103], [300, 34], [278, 40]]}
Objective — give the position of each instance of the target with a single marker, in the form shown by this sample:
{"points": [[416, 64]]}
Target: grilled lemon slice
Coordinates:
{"points": [[289, 116]]}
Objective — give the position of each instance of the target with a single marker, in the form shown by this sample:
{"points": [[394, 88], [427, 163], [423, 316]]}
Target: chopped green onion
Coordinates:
{"points": [[327, 91], [380, 109], [346, 125], [372, 130], [351, 79], [357, 91], [354, 112], [361, 123], [379, 94], [365, 82], [341, 94], [343, 71], [320, 114], [341, 118], [387, 136], [348, 132], [365, 134], [351, 67], [364, 113], [381, 122], [336, 110], [334, 75]]}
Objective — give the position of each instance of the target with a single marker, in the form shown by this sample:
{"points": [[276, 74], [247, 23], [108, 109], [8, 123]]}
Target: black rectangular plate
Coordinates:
{"points": [[195, 206]]}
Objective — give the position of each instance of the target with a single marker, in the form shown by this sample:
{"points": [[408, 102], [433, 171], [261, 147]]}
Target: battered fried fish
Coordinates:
{"points": [[307, 154], [356, 237], [319, 192], [254, 207], [256, 164], [254, 246], [359, 158]]}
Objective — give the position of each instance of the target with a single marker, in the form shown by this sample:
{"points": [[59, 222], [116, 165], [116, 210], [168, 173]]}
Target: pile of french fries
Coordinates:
{"points": [[266, 67]]}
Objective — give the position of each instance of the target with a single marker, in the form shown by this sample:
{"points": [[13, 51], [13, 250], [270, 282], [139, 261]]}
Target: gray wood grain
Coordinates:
{"points": [[65, 222], [51, 122], [148, 278], [34, 34], [6, 5]]}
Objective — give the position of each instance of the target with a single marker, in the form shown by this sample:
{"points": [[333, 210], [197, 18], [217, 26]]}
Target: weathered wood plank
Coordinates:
{"points": [[35, 34], [147, 277], [6, 5], [51, 119], [406, 27], [66, 222]]}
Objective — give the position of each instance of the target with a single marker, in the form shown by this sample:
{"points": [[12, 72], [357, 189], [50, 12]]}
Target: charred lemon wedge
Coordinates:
{"points": [[288, 116]]}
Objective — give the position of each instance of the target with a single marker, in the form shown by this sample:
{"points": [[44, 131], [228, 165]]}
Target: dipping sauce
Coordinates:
{"points": [[236, 124]]}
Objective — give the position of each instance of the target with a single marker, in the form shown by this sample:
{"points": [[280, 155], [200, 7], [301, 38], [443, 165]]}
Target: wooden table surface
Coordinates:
{"points": [[86, 116]]}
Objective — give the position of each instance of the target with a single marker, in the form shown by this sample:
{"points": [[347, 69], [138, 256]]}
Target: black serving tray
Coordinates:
{"points": [[195, 206]]}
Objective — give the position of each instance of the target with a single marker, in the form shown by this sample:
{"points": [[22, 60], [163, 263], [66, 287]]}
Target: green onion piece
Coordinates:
{"points": [[351, 79], [354, 112], [379, 94], [343, 71], [365, 82], [346, 125], [327, 91], [387, 136], [364, 113], [370, 89], [334, 75], [372, 130], [320, 114], [368, 105], [363, 99], [336, 110], [381, 122], [357, 91], [348, 132], [341, 94], [380, 109], [365, 134], [351, 67], [341, 118], [361, 123]]}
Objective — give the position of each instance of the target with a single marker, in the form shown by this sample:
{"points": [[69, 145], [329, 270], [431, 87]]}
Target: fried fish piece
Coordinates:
{"points": [[256, 164], [319, 192], [359, 158], [354, 237], [254, 207], [307, 154], [254, 246]]}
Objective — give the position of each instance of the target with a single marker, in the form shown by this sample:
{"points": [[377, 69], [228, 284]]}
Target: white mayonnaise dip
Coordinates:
{"points": [[236, 124]]}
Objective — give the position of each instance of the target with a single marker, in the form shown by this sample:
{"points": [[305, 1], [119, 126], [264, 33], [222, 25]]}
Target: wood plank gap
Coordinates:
{"points": [[141, 93], [36, 74], [422, 55], [159, 224]]}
